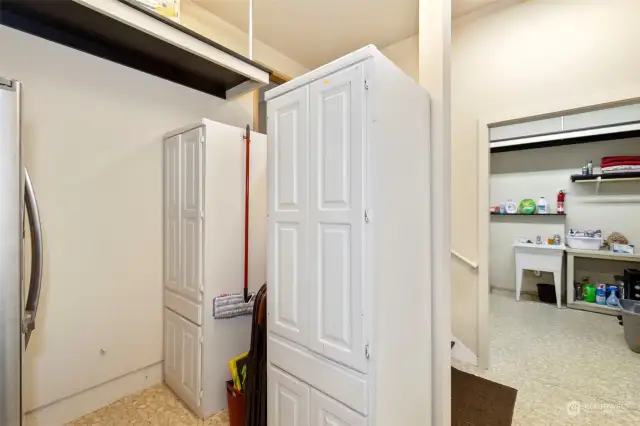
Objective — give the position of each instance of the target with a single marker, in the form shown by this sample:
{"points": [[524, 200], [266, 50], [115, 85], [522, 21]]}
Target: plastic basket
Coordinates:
{"points": [[631, 322]]}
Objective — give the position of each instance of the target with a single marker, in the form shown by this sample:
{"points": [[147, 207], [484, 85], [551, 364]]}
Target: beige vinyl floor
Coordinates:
{"points": [[570, 368], [156, 406]]}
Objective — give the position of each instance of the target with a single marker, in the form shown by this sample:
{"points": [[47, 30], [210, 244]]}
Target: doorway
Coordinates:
{"points": [[537, 333]]}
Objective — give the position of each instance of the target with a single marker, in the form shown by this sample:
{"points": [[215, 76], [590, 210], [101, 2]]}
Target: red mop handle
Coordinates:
{"points": [[247, 151]]}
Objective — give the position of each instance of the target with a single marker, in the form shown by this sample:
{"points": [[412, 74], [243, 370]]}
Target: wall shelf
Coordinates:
{"points": [[124, 32], [528, 215], [606, 177]]}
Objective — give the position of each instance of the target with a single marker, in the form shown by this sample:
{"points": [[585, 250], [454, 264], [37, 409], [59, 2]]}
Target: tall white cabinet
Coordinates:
{"points": [[204, 190], [349, 253]]}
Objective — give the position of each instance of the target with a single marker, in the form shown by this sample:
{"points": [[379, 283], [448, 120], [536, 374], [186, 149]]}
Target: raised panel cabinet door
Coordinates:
{"points": [[191, 214], [336, 216], [171, 348], [288, 399], [325, 411], [172, 270], [183, 357], [288, 213], [191, 362]]}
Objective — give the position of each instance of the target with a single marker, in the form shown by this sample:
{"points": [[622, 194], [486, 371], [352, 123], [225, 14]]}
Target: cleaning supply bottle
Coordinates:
{"points": [[543, 206], [612, 300], [601, 292], [560, 207], [589, 293]]}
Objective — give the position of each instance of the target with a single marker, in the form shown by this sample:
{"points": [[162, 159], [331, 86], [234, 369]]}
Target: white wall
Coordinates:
{"points": [[405, 55], [542, 172], [92, 143], [201, 20], [533, 55]]}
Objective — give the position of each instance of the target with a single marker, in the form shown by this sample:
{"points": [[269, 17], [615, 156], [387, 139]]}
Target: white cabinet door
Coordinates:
{"points": [[183, 357], [191, 361], [288, 213], [172, 213], [171, 347], [288, 399], [191, 215], [336, 216], [325, 411]]}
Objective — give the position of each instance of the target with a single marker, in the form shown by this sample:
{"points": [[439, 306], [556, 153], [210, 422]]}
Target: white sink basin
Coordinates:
{"points": [[539, 246]]}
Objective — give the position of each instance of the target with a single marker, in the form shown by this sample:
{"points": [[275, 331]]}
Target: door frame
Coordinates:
{"points": [[555, 107], [275, 77]]}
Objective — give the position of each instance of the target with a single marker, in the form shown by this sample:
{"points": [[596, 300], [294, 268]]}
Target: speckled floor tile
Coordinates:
{"points": [[156, 406], [556, 357], [540, 403], [570, 368]]}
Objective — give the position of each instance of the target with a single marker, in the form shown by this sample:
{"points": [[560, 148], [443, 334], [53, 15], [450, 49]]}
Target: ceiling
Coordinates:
{"points": [[313, 32]]}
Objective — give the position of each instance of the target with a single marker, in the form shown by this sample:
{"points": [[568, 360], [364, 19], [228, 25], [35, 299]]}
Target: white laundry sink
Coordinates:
{"points": [[540, 257], [533, 246]]}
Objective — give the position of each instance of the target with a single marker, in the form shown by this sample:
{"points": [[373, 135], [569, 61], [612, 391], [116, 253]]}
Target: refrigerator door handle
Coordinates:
{"points": [[35, 282]]}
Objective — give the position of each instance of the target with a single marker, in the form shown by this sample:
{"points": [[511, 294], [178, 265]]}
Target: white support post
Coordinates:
{"points": [[251, 29], [434, 17]]}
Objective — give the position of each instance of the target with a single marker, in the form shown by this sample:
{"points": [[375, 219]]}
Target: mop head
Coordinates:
{"points": [[232, 305]]}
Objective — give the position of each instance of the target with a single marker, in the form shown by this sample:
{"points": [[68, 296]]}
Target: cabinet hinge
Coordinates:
{"points": [[367, 352], [202, 139], [201, 339], [201, 289], [200, 394], [366, 216], [202, 214], [366, 84]]}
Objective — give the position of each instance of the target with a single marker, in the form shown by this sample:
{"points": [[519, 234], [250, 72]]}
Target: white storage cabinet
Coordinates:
{"points": [[349, 306], [204, 190]]}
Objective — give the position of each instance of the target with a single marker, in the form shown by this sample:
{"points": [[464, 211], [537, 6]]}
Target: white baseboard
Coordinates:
{"points": [[511, 292], [75, 406], [462, 353]]}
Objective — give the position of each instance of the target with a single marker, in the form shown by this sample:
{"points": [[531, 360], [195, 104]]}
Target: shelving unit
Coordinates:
{"points": [[593, 254], [593, 307], [566, 138], [124, 32], [606, 177]]}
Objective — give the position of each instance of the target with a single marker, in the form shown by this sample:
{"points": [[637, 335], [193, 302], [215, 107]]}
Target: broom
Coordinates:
{"points": [[234, 305]]}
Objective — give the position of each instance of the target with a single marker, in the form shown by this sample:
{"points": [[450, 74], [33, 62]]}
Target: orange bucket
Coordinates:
{"points": [[236, 405]]}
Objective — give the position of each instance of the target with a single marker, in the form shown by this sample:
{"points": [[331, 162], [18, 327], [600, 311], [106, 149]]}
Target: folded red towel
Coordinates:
{"points": [[621, 163], [620, 158]]}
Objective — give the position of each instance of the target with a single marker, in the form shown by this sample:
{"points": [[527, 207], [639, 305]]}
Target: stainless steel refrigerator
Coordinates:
{"points": [[17, 309]]}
